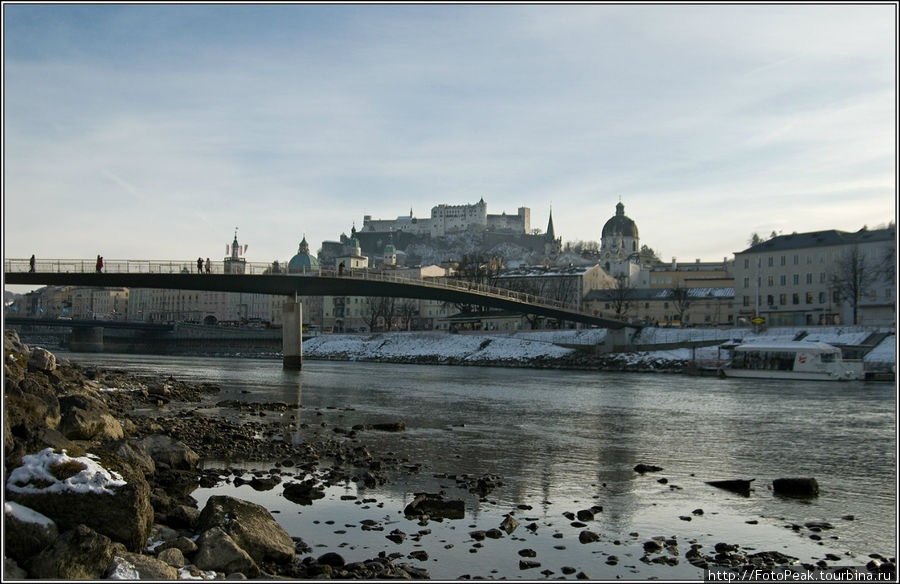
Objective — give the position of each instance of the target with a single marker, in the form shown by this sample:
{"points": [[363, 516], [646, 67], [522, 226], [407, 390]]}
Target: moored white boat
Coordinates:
{"points": [[792, 360]]}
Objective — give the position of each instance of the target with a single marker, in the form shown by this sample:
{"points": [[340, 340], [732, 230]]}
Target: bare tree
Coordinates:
{"points": [[648, 255], [852, 278], [407, 309], [623, 293], [478, 269], [681, 302], [379, 310]]}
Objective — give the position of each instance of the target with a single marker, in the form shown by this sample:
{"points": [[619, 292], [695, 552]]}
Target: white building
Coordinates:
{"points": [[446, 219], [789, 280]]}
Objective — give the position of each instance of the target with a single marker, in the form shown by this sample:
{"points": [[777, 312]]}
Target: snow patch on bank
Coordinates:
{"points": [[36, 475], [434, 345], [525, 346]]}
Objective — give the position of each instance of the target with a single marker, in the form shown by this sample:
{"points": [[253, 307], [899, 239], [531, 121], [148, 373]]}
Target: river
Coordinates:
{"points": [[563, 441]]}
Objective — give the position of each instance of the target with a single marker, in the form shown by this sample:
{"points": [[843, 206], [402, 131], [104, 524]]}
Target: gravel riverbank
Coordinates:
{"points": [[99, 482]]}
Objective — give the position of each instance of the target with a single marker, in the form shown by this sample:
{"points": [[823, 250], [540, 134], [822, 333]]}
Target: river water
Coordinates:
{"points": [[563, 441]]}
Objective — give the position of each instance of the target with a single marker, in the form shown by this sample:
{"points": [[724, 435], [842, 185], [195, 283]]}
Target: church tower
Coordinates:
{"points": [[619, 243], [235, 264]]}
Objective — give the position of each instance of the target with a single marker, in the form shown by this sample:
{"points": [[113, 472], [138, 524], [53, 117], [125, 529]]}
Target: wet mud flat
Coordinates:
{"points": [[338, 496]]}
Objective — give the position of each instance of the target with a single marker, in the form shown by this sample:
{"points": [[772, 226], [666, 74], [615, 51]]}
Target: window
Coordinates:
{"points": [[809, 298], [770, 300], [809, 278], [770, 281], [783, 280], [808, 259], [746, 282], [746, 301], [783, 259], [771, 261], [796, 259], [821, 277], [782, 299], [746, 262], [796, 279], [821, 297], [796, 298]]}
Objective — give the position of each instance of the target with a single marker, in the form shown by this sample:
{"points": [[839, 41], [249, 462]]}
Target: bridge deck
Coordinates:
{"points": [[260, 278]]}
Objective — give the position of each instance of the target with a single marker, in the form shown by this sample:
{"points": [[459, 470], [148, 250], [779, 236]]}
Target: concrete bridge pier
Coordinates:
{"points": [[86, 340], [292, 334], [619, 340]]}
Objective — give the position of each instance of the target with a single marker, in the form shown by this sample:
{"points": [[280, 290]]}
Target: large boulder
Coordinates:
{"points": [[41, 359], [250, 525], [133, 455], [78, 554], [435, 506], [28, 533], [219, 552], [79, 490], [796, 487], [169, 453], [131, 566], [87, 418], [27, 414]]}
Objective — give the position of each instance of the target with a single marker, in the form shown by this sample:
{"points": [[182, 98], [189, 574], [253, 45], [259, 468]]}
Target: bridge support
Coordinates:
{"points": [[292, 334], [619, 340], [86, 340]]}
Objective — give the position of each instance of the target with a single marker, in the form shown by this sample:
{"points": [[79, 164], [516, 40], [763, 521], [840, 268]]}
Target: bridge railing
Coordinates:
{"points": [[117, 266]]}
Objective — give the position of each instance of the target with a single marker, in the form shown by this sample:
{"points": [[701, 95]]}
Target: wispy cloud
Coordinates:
{"points": [[164, 126]]}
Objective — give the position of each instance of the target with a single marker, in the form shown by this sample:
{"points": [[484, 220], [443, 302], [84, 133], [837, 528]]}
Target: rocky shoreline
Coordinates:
{"points": [[96, 487]]}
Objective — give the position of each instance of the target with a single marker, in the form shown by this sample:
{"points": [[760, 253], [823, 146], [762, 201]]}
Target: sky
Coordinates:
{"points": [[152, 131]]}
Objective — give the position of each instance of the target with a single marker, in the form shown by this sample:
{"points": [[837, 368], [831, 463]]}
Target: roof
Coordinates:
{"points": [[545, 272], [830, 237], [789, 345], [659, 294], [619, 224]]}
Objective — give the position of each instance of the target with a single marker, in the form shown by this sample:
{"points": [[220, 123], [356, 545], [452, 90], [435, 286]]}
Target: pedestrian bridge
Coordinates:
{"points": [[265, 278]]}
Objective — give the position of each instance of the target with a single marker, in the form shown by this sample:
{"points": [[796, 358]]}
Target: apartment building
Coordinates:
{"points": [[796, 279]]}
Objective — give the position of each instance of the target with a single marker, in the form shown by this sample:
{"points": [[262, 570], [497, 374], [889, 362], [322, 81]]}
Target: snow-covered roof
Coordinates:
{"points": [[545, 272], [763, 344]]}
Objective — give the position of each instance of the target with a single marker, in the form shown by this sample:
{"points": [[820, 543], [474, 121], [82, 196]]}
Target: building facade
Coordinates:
{"points": [[796, 279], [696, 306]]}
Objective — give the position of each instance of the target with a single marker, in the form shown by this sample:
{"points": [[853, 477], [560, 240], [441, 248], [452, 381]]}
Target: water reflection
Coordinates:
{"points": [[565, 440]]}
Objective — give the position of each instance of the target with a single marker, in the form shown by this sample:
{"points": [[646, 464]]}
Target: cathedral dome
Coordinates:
{"points": [[303, 261], [620, 225]]}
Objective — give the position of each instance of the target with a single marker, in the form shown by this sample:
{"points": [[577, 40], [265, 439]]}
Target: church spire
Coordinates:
{"points": [[551, 234]]}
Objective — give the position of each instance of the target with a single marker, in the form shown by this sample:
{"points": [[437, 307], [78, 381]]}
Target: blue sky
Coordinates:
{"points": [[152, 131]]}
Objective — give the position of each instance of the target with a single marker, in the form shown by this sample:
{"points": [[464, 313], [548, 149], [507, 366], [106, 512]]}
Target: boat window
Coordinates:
{"points": [[772, 360], [828, 357]]}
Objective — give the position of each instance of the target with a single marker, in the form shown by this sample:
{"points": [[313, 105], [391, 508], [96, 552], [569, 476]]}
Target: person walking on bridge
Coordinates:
{"points": [[207, 265], [200, 265], [99, 263], [31, 264]]}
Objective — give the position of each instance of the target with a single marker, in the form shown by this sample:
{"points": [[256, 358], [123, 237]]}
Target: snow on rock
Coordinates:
{"points": [[123, 570], [25, 514], [196, 574], [38, 474]]}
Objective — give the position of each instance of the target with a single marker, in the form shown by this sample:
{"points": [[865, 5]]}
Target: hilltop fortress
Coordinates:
{"points": [[449, 219]]}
